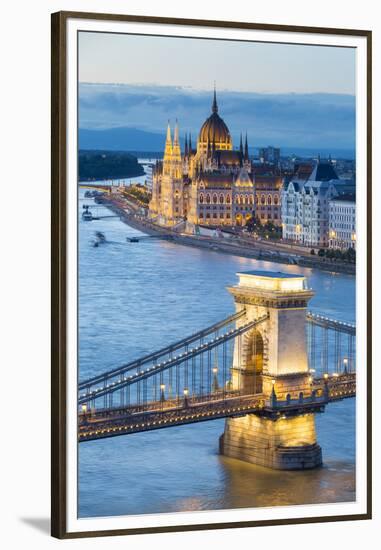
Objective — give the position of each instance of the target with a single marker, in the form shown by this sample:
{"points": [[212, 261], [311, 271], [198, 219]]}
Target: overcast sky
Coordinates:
{"points": [[197, 63], [281, 94]]}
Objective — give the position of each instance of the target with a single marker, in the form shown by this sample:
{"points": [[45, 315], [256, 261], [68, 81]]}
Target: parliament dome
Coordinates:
{"points": [[215, 130]]}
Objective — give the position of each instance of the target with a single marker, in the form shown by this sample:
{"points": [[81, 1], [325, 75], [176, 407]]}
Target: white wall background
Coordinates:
{"points": [[25, 267]]}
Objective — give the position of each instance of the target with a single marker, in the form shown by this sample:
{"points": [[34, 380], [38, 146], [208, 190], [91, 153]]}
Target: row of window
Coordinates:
{"points": [[343, 226], [239, 199], [227, 216], [340, 218], [343, 209], [214, 215]]}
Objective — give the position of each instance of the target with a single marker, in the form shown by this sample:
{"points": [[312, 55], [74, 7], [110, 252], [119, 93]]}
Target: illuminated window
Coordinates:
{"points": [[208, 198], [276, 199], [215, 200], [228, 199], [221, 199], [269, 199], [201, 198]]}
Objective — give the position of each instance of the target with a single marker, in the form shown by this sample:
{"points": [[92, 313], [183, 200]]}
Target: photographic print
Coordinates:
{"points": [[216, 196]]}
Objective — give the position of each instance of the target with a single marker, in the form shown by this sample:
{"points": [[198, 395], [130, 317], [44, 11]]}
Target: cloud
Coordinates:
{"points": [[312, 120]]}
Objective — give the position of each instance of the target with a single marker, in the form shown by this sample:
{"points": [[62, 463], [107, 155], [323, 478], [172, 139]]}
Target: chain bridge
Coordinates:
{"points": [[268, 369]]}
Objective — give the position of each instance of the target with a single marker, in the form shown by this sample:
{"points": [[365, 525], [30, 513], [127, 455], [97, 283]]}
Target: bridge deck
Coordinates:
{"points": [[126, 420]]}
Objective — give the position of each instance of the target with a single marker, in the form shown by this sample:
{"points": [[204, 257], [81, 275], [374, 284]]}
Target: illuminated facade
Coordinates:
{"points": [[211, 184], [305, 205], [342, 222], [273, 355]]}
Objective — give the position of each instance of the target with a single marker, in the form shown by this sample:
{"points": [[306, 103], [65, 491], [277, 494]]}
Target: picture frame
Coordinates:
{"points": [[65, 270]]}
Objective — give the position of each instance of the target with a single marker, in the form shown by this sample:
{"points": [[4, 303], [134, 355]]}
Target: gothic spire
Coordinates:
{"points": [[176, 152], [176, 134], [214, 104], [169, 137], [246, 149], [240, 144], [168, 143], [186, 146]]}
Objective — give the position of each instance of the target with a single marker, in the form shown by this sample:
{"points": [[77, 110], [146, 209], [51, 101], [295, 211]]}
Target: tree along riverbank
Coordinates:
{"points": [[101, 165]]}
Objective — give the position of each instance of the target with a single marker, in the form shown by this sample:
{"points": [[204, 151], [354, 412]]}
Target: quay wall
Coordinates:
{"points": [[223, 245]]}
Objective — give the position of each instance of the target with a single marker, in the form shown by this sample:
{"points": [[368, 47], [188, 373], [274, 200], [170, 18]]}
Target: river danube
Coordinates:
{"points": [[138, 297]]}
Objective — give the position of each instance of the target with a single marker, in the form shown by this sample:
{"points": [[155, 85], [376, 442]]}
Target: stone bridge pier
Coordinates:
{"points": [[272, 359]]}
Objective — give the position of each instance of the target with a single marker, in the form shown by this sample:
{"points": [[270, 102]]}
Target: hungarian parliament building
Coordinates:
{"points": [[213, 184]]}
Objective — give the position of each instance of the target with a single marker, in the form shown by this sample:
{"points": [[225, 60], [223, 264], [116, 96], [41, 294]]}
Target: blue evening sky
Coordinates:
{"points": [[281, 94]]}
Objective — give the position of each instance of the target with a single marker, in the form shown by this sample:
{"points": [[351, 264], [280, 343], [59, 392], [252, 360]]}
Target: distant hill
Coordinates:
{"points": [[120, 139], [138, 141], [99, 165]]}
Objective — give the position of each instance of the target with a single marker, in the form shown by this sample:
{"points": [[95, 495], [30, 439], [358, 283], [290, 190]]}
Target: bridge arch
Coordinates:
{"points": [[252, 354], [250, 361]]}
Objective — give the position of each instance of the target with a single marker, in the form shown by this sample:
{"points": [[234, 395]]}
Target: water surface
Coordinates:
{"points": [[137, 297]]}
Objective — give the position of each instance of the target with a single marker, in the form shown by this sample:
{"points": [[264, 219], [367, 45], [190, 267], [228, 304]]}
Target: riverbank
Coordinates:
{"points": [[94, 165], [129, 214]]}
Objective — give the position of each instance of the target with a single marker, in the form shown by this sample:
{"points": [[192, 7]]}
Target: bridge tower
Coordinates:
{"points": [[272, 359]]}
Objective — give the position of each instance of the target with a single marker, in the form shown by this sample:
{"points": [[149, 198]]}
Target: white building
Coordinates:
{"points": [[342, 222], [148, 168], [305, 205]]}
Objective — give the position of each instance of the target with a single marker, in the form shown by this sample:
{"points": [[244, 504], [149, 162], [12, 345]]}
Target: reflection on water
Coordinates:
{"points": [[139, 297]]}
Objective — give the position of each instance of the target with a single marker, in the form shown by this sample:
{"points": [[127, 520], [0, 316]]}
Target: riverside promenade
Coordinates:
{"points": [[129, 213]]}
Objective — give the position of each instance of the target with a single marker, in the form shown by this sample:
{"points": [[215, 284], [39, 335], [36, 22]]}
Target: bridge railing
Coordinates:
{"points": [[195, 371], [331, 345], [203, 372], [163, 352], [119, 421]]}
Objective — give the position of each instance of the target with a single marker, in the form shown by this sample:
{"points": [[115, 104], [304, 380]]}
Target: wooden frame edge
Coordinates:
{"points": [[58, 276], [58, 273]]}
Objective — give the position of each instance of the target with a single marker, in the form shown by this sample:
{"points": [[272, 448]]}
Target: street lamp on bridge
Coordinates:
{"points": [[186, 393], [162, 394], [345, 363], [215, 386]]}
